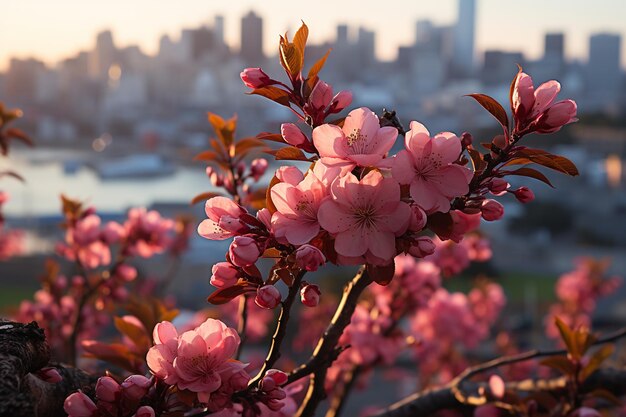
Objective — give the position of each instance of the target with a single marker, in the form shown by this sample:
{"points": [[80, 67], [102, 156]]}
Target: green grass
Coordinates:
{"points": [[516, 285], [11, 296]]}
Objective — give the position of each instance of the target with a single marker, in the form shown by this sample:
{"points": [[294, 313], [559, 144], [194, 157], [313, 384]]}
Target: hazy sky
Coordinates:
{"points": [[51, 30]]}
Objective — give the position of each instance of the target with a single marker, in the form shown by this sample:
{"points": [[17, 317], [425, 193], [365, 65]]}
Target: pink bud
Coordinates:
{"points": [[422, 247], [126, 272], [107, 389], [310, 295], [557, 116], [293, 135], [418, 219], [586, 412], [265, 217], [491, 210], [224, 275], [289, 174], [79, 405], [496, 385], [523, 98], [309, 258], [278, 376], [255, 78], [341, 100], [258, 167], [524, 195], [497, 186], [243, 251], [267, 297], [215, 178], [50, 375], [136, 386], [321, 96], [144, 411]]}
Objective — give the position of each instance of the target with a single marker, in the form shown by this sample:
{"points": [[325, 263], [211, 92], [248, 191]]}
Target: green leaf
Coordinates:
{"points": [[493, 107]]}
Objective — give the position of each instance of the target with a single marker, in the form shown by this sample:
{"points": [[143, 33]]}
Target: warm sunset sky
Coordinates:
{"points": [[51, 30]]}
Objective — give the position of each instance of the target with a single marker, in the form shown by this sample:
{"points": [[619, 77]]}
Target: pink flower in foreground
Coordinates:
{"points": [[366, 216], [428, 166], [244, 251], [535, 110], [255, 78], [220, 211], [196, 359], [79, 405], [361, 141], [309, 258], [297, 204]]}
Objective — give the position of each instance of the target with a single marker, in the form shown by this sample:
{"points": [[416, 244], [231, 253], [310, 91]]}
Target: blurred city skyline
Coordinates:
{"points": [[76, 23]]}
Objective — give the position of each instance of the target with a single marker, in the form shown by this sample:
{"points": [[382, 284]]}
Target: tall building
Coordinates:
{"points": [[464, 34], [604, 75], [366, 46], [218, 29], [554, 46], [342, 35], [252, 38], [104, 55]]}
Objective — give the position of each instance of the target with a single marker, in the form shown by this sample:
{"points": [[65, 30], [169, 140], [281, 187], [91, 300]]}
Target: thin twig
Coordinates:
{"points": [[326, 352], [242, 323], [281, 329]]}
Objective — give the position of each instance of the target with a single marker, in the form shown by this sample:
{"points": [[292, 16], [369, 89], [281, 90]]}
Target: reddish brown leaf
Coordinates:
{"points": [[531, 173], [207, 156], [289, 153], [382, 275], [477, 160], [560, 363], [274, 137], [596, 360], [135, 333], [275, 94], [546, 159], [16, 133], [245, 145], [204, 197], [317, 67], [441, 224], [224, 295], [257, 199], [299, 42], [493, 107], [268, 196]]}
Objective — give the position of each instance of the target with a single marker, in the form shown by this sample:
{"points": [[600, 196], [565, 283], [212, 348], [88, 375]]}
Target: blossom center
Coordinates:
{"points": [[365, 217], [357, 141]]}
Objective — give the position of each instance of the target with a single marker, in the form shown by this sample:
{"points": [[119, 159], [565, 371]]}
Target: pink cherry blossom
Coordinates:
{"points": [[535, 110], [427, 164], [297, 205], [310, 295], [219, 210], [255, 78], [147, 233], [293, 135], [361, 141], [267, 297], [244, 251], [224, 275], [196, 359], [79, 405], [365, 216], [309, 258], [491, 210], [524, 195]]}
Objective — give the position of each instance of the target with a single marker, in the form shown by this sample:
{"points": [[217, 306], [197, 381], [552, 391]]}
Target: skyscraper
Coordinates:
{"points": [[463, 60], [252, 38], [554, 46], [603, 70], [218, 29]]}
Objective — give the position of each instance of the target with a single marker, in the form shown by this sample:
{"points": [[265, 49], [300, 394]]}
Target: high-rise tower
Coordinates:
{"points": [[252, 38], [464, 37]]}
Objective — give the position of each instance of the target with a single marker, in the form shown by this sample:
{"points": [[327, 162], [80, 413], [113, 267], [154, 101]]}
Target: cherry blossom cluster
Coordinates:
{"points": [[578, 292], [11, 241], [113, 399]]}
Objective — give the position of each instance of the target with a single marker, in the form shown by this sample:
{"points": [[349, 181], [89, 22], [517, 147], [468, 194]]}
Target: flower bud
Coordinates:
{"points": [[418, 219], [310, 295], [267, 297], [422, 247], [126, 272], [113, 232], [341, 100], [496, 385], [107, 389], [497, 186], [144, 411], [309, 258], [258, 167], [466, 139], [293, 135], [255, 78], [79, 405], [243, 251], [265, 217], [491, 210], [278, 376], [524, 195], [289, 174], [224, 275], [136, 386], [321, 96], [50, 375]]}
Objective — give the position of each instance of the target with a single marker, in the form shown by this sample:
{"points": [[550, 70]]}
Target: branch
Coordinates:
{"points": [[23, 350], [326, 351], [242, 323], [452, 395], [281, 329], [431, 401]]}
